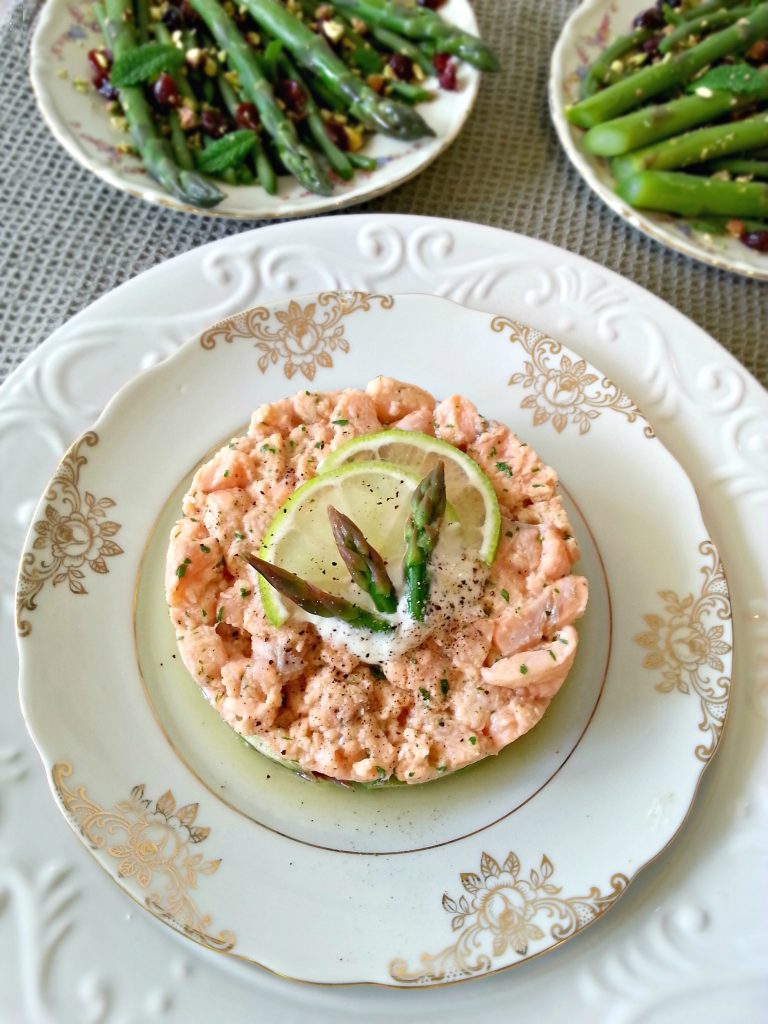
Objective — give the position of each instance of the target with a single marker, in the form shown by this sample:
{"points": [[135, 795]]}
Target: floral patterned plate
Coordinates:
{"points": [[414, 886], [593, 24], [79, 121]]}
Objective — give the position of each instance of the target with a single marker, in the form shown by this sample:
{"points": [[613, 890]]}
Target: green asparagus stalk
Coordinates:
{"points": [[693, 196], [695, 147], [181, 151], [600, 72], [141, 14], [422, 23], [411, 93], [316, 601], [364, 163], [397, 44], [696, 10], [652, 124], [297, 158], [115, 19], [752, 168], [264, 169], [633, 91], [421, 532], [336, 157], [366, 566], [702, 25], [379, 113]]}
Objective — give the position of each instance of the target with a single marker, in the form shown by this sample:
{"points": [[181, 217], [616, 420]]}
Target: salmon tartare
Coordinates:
{"points": [[404, 689]]}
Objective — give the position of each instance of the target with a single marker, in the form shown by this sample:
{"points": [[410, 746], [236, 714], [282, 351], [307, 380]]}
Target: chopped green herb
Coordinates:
{"points": [[444, 687], [441, 767], [473, 740], [505, 595], [425, 693], [503, 467], [380, 772], [269, 448], [410, 775], [552, 655], [226, 472], [181, 569], [508, 533], [239, 536], [340, 423], [219, 614], [320, 444], [493, 452], [568, 536], [244, 592], [561, 641], [523, 670], [205, 549]]}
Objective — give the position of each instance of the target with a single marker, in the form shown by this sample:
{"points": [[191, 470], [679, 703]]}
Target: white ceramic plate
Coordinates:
{"points": [[462, 877], [79, 121], [593, 24]]}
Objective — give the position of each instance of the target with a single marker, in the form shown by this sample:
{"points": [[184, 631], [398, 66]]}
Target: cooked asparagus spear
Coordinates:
{"points": [[695, 147], [379, 113], [600, 72], [633, 91], [652, 124], [297, 158], [422, 23], [366, 566], [116, 20], [702, 25], [692, 196], [755, 168], [421, 532], [316, 601]]}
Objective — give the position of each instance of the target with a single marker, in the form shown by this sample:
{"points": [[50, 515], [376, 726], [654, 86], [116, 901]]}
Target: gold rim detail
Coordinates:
{"points": [[72, 533], [156, 844], [686, 643], [302, 338], [502, 912], [563, 390]]}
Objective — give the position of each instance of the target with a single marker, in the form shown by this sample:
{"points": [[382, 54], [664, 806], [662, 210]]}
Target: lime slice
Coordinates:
{"points": [[375, 495], [468, 490]]}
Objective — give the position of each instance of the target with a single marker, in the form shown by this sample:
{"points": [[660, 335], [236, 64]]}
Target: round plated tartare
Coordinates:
{"points": [[375, 586]]}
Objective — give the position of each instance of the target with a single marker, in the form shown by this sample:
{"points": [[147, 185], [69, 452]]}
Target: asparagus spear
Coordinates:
{"points": [[316, 601], [297, 158], [695, 147], [116, 23], [755, 168], [422, 23], [692, 196], [264, 169], [701, 25], [421, 532], [366, 566], [380, 113], [634, 90], [652, 124], [600, 71]]}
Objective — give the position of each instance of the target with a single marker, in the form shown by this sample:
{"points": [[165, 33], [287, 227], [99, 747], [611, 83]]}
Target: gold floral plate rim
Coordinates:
{"points": [[602, 397]]}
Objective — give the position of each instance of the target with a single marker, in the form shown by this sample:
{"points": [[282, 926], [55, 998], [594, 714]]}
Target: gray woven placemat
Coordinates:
{"points": [[66, 238]]}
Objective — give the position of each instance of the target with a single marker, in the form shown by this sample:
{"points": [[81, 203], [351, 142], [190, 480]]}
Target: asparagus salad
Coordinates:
{"points": [[247, 90], [376, 587], [679, 107]]}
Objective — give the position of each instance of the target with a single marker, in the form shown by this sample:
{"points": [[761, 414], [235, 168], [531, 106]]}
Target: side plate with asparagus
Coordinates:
{"points": [[300, 100], [671, 114]]}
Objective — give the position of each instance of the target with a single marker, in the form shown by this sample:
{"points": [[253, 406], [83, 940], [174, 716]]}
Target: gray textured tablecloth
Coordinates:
{"points": [[66, 238]]}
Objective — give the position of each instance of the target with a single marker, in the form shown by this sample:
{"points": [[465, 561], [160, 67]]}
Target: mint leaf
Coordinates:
{"points": [[145, 62], [228, 151], [741, 78]]}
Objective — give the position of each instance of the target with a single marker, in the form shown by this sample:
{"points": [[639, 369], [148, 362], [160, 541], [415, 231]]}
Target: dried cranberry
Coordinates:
{"points": [[440, 61], [756, 240], [431, 4], [292, 94], [100, 60], [758, 52], [651, 46], [173, 19], [213, 123], [247, 116], [445, 67], [402, 65], [652, 18], [336, 134], [165, 92]]}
